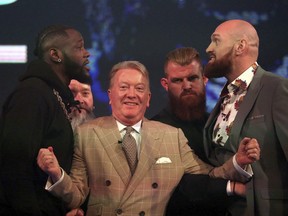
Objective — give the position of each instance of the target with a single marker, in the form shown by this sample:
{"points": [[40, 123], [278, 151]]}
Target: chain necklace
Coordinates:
{"points": [[59, 98]]}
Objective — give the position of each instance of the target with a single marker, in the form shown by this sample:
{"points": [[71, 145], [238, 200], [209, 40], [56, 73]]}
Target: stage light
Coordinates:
{"points": [[13, 54], [5, 2]]}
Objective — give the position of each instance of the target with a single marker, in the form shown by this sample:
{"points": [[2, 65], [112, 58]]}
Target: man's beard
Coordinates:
{"points": [[219, 68], [80, 118], [74, 71], [189, 108]]}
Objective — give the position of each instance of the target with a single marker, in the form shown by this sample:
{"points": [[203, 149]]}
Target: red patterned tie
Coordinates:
{"points": [[130, 149]]}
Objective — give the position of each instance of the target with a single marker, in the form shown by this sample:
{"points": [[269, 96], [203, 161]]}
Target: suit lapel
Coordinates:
{"points": [[209, 127], [233, 141], [245, 108], [109, 137]]}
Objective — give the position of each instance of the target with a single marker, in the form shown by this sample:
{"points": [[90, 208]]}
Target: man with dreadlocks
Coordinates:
{"points": [[36, 115]]}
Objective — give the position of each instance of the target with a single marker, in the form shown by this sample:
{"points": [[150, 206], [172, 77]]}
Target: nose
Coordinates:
{"points": [[209, 48], [87, 53], [79, 98], [131, 92], [186, 84]]}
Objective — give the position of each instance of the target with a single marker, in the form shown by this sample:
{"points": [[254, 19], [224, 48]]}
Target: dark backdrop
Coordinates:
{"points": [[144, 30]]}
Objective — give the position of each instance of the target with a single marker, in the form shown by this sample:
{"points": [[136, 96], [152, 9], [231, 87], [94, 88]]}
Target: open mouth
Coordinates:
{"points": [[85, 66], [211, 58]]}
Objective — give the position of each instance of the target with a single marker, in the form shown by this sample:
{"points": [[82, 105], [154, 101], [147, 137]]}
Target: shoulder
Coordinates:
{"points": [[159, 126], [268, 76], [103, 122]]}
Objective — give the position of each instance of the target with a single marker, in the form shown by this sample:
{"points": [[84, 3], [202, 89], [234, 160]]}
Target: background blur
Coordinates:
{"points": [[143, 30]]}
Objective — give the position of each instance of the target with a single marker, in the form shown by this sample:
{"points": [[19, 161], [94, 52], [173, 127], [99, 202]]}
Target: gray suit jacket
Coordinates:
{"points": [[262, 115], [100, 162]]}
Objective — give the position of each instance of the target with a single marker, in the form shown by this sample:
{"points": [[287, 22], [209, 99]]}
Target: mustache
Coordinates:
{"points": [[186, 92]]}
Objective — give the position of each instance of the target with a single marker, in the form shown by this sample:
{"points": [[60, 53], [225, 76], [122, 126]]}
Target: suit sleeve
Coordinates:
{"points": [[280, 113], [194, 165], [73, 189]]}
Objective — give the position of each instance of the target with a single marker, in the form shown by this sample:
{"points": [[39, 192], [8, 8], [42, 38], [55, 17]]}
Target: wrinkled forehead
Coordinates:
{"points": [[130, 74], [76, 85]]}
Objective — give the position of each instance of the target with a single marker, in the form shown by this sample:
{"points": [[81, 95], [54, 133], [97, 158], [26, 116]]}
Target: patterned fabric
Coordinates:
{"points": [[130, 149], [232, 96], [100, 162]]}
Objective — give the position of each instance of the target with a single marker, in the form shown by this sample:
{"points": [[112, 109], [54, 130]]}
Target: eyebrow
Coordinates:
{"points": [[85, 89], [215, 35]]}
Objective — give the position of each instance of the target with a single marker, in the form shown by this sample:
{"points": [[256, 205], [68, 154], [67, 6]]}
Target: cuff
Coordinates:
{"points": [[247, 171], [50, 185]]}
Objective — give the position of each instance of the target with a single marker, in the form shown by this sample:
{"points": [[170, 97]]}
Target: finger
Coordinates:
{"points": [[252, 146], [252, 150], [254, 156], [79, 212], [246, 140], [254, 143]]}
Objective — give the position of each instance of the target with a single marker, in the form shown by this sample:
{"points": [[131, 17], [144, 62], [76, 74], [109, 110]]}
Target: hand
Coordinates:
{"points": [[248, 152], [75, 212], [48, 162], [238, 188]]}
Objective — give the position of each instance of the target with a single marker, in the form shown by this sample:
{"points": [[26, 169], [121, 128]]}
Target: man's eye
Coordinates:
{"points": [[86, 94], [193, 78], [176, 80], [140, 89], [123, 87]]}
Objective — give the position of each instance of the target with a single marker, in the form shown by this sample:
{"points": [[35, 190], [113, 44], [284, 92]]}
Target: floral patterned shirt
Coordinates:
{"points": [[232, 96]]}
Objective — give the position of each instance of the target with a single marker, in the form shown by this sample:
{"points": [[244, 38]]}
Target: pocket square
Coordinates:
{"points": [[255, 117], [163, 160]]}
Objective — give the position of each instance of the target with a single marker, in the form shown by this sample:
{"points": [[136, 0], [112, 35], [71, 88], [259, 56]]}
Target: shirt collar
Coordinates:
{"points": [[136, 126], [241, 83]]}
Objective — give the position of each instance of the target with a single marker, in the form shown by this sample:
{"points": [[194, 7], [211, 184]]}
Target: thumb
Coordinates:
{"points": [[245, 140], [50, 148]]}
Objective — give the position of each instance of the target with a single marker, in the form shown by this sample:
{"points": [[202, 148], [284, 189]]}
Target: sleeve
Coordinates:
{"points": [[280, 113], [194, 165], [73, 188]]}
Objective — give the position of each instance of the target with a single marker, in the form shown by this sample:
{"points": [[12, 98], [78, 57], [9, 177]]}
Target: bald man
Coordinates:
{"points": [[253, 103]]}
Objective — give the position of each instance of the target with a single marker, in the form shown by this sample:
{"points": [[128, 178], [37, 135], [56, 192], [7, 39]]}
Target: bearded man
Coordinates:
{"points": [[83, 94], [36, 115], [185, 84]]}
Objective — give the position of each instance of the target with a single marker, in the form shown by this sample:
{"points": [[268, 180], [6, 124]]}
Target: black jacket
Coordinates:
{"points": [[32, 118]]}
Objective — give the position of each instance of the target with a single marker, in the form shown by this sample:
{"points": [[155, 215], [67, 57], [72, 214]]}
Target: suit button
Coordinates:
{"points": [[108, 182], [154, 185], [119, 211], [142, 213]]}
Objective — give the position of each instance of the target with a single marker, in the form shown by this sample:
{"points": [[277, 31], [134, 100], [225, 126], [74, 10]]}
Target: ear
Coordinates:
{"points": [[164, 83], [55, 54], [148, 101], [109, 92], [240, 46], [205, 80]]}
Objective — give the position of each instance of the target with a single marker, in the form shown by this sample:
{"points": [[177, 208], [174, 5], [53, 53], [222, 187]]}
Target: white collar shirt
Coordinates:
{"points": [[232, 96]]}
